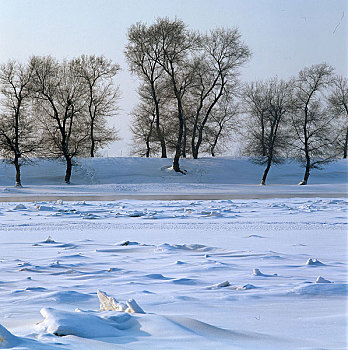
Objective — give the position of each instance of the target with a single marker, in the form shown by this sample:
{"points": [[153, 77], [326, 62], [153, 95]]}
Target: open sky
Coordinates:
{"points": [[284, 35]]}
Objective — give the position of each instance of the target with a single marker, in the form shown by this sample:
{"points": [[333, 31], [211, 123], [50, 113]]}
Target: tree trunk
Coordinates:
{"points": [[163, 147], [212, 151], [306, 175], [306, 148], [345, 146], [68, 169], [18, 171], [147, 155], [269, 163], [212, 148], [92, 140], [178, 146], [158, 126], [184, 141]]}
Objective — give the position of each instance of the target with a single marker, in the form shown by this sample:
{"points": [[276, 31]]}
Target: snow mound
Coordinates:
{"points": [[314, 262], [7, 339], [322, 289], [44, 208], [20, 207], [69, 297], [189, 247], [257, 272], [111, 304], [84, 324]]}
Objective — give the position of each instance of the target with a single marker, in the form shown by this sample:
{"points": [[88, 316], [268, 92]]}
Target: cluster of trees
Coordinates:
{"points": [[191, 100], [188, 83], [56, 109], [304, 118]]}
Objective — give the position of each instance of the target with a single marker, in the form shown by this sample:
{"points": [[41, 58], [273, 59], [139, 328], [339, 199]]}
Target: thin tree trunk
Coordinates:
{"points": [[264, 177], [306, 147], [68, 169], [161, 137], [163, 146], [158, 126], [184, 141], [178, 145], [18, 171], [212, 148], [345, 146], [92, 140]]}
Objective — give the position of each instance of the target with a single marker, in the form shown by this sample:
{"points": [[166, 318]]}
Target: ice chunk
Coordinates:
{"points": [[314, 262], [109, 303], [133, 307], [222, 284], [44, 208], [7, 339], [322, 280], [49, 240], [245, 287]]}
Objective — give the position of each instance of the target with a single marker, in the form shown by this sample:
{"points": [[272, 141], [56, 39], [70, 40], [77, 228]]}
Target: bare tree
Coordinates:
{"points": [[313, 138], [338, 104], [143, 53], [97, 74], [221, 53], [176, 43], [18, 136], [59, 105], [267, 105], [221, 124], [143, 129]]}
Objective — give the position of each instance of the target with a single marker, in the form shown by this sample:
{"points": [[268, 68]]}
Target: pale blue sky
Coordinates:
{"points": [[284, 35]]}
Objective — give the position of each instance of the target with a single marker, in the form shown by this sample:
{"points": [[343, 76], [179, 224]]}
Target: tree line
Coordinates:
{"points": [[56, 109], [191, 101]]}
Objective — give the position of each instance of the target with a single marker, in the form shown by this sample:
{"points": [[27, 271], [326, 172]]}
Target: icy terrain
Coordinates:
{"points": [[181, 274]]}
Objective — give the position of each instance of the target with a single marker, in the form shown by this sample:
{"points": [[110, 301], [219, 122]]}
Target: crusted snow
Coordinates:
{"points": [[179, 274]]}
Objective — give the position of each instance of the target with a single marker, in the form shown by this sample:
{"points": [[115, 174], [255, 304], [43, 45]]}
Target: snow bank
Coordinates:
{"points": [[128, 170], [83, 324], [7, 339]]}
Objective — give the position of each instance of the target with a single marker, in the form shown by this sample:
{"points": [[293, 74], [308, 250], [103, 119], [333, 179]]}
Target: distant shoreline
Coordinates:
{"points": [[168, 197]]}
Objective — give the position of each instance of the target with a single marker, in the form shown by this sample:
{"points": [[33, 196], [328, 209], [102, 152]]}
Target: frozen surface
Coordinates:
{"points": [[259, 267], [240, 274]]}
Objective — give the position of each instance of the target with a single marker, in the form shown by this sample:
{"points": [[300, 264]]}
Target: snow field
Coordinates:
{"points": [[242, 274]]}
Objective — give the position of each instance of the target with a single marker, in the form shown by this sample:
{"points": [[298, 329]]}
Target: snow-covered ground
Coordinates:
{"points": [[237, 273], [140, 178]]}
